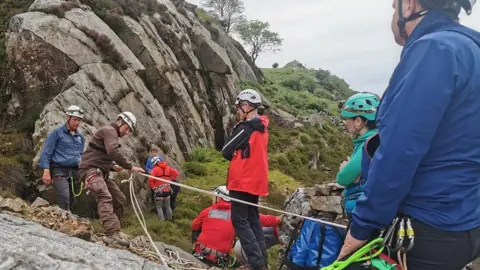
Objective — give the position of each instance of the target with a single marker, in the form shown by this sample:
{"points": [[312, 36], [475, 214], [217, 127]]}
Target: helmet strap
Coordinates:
{"points": [[68, 123], [245, 113], [402, 21]]}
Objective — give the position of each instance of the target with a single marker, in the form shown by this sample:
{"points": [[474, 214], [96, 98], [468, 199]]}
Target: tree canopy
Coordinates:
{"points": [[230, 12], [258, 38]]}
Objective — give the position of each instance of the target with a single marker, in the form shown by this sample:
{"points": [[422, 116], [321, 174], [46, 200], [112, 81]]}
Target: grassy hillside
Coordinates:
{"points": [[303, 91]]}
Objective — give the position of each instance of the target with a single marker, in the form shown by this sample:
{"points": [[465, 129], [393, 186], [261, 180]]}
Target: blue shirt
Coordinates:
{"points": [[428, 162], [62, 149]]}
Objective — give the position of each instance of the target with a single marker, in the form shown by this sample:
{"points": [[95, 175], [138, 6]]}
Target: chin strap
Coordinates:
{"points": [[402, 21]]}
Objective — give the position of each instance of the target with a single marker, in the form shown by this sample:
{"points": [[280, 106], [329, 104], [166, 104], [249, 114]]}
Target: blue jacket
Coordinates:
{"points": [[428, 162], [61, 149]]}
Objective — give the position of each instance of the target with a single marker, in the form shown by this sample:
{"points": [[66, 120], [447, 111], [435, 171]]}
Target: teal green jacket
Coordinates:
{"points": [[352, 170]]}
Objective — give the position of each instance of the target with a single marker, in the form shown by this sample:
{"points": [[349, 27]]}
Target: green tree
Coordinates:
{"points": [[257, 36], [275, 65], [230, 12]]}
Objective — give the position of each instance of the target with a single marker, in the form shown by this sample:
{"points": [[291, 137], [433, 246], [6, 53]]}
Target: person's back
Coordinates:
{"points": [[446, 187], [103, 149], [427, 168], [216, 227]]}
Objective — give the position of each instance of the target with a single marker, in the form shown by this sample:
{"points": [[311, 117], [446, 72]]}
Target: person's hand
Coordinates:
{"points": [[350, 246], [117, 168], [136, 170], [46, 178], [281, 218], [344, 163]]}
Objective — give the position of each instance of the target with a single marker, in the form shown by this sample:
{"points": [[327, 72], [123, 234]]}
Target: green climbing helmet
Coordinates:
{"points": [[361, 104]]}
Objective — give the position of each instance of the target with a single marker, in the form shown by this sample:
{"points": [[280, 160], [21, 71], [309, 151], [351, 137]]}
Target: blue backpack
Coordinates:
{"points": [[313, 245]]}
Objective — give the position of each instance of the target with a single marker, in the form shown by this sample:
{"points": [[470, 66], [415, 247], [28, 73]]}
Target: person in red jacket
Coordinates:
{"points": [[215, 230], [162, 190], [247, 179]]}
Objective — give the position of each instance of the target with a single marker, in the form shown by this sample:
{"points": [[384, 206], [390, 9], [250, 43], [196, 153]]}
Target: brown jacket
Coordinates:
{"points": [[103, 149]]}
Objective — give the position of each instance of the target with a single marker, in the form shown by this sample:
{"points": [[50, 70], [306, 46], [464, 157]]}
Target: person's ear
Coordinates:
{"points": [[409, 7]]}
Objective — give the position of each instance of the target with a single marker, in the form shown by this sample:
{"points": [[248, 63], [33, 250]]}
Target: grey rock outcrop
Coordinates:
{"points": [[175, 73], [322, 201], [28, 245]]}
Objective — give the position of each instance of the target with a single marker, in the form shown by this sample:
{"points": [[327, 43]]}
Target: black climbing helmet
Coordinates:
{"points": [[454, 6]]}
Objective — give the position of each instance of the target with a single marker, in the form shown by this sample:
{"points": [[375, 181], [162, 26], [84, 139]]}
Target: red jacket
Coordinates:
{"points": [[164, 171], [247, 151], [216, 227]]}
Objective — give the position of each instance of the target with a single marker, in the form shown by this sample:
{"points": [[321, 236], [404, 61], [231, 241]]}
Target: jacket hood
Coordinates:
{"points": [[259, 123], [223, 205], [364, 137]]}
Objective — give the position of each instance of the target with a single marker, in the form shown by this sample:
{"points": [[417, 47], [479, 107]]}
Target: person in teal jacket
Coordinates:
{"points": [[359, 112]]}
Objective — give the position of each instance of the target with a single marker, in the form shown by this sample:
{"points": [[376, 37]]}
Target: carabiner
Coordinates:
{"points": [[400, 235], [388, 237], [410, 234]]}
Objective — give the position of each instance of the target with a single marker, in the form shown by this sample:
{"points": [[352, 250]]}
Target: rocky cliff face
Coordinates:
{"points": [[157, 59], [167, 68]]}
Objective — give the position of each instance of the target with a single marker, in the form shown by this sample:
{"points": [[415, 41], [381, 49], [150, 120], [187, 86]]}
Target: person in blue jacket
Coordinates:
{"points": [[359, 114], [148, 163], [427, 166], [60, 157]]}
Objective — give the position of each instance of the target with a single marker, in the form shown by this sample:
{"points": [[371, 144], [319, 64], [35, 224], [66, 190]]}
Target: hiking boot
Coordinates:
{"points": [[116, 239]]}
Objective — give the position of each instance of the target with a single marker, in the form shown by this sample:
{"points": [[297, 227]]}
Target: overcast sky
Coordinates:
{"points": [[351, 38]]}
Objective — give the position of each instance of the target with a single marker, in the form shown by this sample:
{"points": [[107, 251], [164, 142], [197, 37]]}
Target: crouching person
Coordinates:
{"points": [[162, 190], [213, 234], [98, 160]]}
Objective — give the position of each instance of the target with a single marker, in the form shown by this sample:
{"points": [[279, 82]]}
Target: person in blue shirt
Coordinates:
{"points": [[427, 166], [148, 163], [60, 157]]}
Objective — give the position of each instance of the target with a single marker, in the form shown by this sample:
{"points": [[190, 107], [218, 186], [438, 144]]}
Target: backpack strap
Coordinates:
{"points": [[372, 144], [323, 231], [293, 237]]}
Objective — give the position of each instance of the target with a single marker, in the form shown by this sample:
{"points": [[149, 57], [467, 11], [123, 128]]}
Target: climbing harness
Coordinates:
{"points": [[243, 202], [213, 256], [366, 253]]}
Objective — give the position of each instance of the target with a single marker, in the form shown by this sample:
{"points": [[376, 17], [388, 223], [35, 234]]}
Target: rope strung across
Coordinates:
{"points": [[244, 202]]}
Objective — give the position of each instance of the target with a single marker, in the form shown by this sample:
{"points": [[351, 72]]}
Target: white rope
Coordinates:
{"points": [[244, 202], [141, 218], [135, 204]]}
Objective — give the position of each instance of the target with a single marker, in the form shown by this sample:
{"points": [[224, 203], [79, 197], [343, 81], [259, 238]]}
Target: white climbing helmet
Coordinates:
{"points": [[75, 111], [250, 96], [222, 190], [129, 119]]}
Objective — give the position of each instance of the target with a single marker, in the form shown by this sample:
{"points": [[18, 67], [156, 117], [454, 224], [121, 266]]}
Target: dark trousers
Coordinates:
{"points": [[438, 249], [246, 222], [62, 184], [173, 197]]}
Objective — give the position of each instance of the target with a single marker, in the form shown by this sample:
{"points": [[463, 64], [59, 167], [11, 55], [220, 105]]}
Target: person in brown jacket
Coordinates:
{"points": [[102, 156]]}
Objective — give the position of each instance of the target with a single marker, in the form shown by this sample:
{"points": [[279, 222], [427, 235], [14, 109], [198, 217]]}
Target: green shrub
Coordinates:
{"points": [[194, 169], [109, 52]]}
